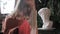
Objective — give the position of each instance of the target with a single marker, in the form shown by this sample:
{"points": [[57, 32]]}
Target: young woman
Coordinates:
{"points": [[18, 20]]}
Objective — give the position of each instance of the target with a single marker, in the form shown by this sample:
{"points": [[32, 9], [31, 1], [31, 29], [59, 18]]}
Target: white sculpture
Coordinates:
{"points": [[44, 13]]}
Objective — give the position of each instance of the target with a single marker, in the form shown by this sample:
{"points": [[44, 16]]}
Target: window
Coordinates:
{"points": [[7, 6]]}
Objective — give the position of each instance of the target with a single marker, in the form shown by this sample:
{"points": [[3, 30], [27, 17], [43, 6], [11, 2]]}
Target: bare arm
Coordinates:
{"points": [[4, 24]]}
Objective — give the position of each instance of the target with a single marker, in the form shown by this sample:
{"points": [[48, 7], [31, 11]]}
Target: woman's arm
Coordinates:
{"points": [[4, 24], [12, 30]]}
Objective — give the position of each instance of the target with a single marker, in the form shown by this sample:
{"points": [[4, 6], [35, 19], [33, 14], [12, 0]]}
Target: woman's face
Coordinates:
{"points": [[20, 16]]}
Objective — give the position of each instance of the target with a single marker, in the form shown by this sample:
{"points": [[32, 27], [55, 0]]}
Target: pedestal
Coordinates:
{"points": [[46, 31]]}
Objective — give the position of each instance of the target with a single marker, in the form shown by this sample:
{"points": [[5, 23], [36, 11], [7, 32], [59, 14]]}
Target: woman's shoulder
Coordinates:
{"points": [[9, 18]]}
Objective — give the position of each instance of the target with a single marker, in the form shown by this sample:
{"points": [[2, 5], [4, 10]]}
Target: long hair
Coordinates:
{"points": [[21, 6], [24, 7]]}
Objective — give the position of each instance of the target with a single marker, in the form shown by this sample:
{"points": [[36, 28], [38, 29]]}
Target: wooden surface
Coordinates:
{"points": [[46, 32]]}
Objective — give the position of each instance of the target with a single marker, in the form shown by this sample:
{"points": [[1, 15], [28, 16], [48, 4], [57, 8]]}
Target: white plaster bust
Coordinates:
{"points": [[44, 13]]}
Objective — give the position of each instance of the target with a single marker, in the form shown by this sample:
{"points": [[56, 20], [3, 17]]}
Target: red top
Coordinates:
{"points": [[24, 28]]}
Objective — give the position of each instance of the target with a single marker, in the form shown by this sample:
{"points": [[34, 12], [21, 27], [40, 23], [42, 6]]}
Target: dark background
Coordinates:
{"points": [[55, 11], [55, 14]]}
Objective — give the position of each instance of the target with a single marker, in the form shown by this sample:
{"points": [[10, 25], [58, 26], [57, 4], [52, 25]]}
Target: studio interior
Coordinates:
{"points": [[36, 18]]}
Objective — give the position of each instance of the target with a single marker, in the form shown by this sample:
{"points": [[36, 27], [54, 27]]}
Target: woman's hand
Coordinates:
{"points": [[11, 30]]}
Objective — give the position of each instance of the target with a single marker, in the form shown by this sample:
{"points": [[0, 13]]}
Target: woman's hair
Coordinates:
{"points": [[25, 7], [22, 7]]}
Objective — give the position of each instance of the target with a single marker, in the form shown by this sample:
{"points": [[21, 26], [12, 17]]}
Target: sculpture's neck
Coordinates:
{"points": [[46, 21]]}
